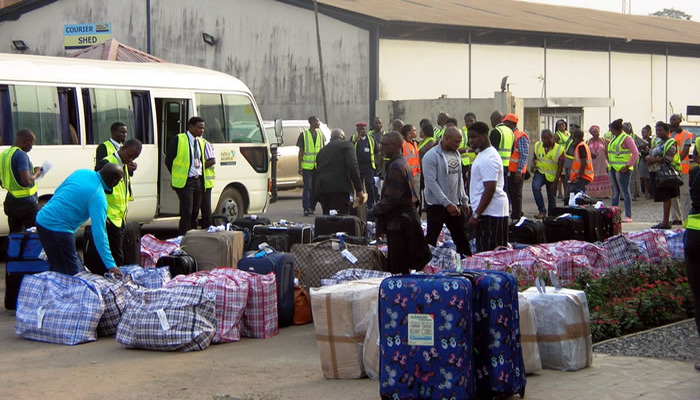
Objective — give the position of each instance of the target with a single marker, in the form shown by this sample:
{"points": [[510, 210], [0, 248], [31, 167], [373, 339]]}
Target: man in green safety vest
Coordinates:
{"points": [[309, 143], [19, 179], [118, 200], [185, 159], [118, 132], [442, 125], [368, 160], [502, 138], [376, 130], [467, 153]]}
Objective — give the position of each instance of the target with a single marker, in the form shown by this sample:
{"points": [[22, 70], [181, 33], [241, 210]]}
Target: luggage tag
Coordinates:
{"points": [[164, 324], [348, 255], [40, 312]]}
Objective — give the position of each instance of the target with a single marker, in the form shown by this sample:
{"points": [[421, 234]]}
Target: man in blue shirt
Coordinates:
{"points": [[18, 177], [79, 197]]}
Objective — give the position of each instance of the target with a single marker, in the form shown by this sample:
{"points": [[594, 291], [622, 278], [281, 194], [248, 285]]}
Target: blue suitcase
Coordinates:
{"points": [[425, 324], [498, 358], [23, 251], [283, 265]]}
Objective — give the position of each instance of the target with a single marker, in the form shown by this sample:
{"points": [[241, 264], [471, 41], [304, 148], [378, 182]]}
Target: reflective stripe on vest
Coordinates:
{"points": [[209, 174], [440, 133], [680, 139], [8, 177], [111, 149], [505, 148], [311, 149], [618, 156], [410, 152], [181, 162], [119, 198], [465, 157], [515, 155], [370, 140], [577, 164], [676, 157], [425, 141], [548, 161], [693, 222]]}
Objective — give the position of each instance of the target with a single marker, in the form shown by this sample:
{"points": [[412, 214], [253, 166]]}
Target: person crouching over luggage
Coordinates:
{"points": [[582, 168], [548, 162], [79, 197], [121, 195], [396, 213]]}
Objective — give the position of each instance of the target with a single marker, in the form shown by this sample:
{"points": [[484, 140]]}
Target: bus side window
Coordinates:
{"points": [[242, 121], [43, 109], [103, 107], [6, 134], [210, 108], [143, 121]]}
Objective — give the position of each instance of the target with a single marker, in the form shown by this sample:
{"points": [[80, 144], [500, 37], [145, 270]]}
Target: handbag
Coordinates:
{"points": [[302, 303], [667, 176]]}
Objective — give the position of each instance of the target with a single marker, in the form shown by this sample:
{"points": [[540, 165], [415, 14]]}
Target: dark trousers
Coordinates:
{"points": [[60, 250], [20, 213], [205, 208], [190, 197], [371, 190], [115, 236], [579, 185], [339, 201], [437, 216], [515, 195], [491, 233], [307, 198], [691, 247]]}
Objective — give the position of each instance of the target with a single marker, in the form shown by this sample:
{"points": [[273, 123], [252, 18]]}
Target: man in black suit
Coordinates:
{"points": [[338, 175]]}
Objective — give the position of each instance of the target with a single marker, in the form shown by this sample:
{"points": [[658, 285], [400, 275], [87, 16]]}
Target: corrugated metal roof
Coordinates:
{"points": [[113, 50], [525, 16]]}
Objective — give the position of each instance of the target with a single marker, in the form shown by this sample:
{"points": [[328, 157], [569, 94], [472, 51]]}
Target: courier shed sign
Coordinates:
{"points": [[80, 36]]}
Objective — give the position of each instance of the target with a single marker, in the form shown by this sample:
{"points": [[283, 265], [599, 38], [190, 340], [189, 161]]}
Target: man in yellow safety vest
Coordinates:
{"points": [[309, 143]]}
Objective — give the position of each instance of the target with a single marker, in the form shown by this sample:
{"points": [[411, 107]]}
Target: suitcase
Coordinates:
{"points": [[611, 221], [527, 232], [361, 213], [278, 242], [498, 359], [426, 331], [283, 265], [251, 221], [591, 220], [299, 233], [558, 229], [213, 249], [23, 259], [330, 224], [131, 248], [183, 264], [358, 240]]}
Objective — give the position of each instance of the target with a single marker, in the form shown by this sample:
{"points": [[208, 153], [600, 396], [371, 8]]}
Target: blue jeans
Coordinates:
{"points": [[539, 180], [60, 250], [620, 181], [307, 196]]}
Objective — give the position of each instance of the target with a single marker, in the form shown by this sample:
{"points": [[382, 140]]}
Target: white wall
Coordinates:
{"points": [[523, 65]]}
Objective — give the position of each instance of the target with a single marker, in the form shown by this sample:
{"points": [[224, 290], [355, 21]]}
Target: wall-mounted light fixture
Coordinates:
{"points": [[209, 39], [19, 45]]}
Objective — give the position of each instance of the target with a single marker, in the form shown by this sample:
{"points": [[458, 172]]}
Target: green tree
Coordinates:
{"points": [[672, 13]]}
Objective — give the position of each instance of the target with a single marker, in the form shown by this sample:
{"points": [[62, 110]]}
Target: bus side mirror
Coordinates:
{"points": [[278, 132]]}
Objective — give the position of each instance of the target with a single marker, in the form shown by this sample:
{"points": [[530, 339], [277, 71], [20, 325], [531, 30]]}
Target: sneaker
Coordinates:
{"points": [[627, 219], [306, 212], [676, 222]]}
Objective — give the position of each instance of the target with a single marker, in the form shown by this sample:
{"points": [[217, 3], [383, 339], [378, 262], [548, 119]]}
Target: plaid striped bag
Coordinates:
{"points": [[353, 274], [182, 318], [152, 249], [150, 278], [674, 238], [622, 252], [114, 295], [58, 308], [260, 318], [597, 256], [655, 241], [231, 298]]}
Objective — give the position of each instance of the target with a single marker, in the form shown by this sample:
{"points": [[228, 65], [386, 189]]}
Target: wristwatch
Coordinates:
{"points": [[476, 215]]}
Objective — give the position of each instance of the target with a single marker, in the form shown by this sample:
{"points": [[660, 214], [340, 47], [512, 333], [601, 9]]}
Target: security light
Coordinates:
{"points": [[19, 45], [209, 39]]}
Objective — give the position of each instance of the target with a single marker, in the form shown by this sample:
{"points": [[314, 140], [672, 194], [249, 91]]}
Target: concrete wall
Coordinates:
{"points": [[269, 45]]}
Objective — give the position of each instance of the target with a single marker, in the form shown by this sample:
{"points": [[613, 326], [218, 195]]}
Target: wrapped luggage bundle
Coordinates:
{"points": [[58, 308], [528, 335]]}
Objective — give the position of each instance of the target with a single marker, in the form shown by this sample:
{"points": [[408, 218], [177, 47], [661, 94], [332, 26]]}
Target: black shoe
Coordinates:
{"points": [[697, 366], [676, 222], [306, 212]]}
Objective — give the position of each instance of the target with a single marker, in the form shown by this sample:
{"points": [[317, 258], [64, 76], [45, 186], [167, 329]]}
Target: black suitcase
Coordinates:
{"points": [[251, 221], [529, 232], [283, 265], [592, 220], [558, 229], [299, 233], [358, 240], [131, 248], [330, 224], [183, 264], [278, 242]]}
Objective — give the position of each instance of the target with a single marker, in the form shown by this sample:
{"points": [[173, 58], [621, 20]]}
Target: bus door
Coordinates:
{"points": [[172, 119]]}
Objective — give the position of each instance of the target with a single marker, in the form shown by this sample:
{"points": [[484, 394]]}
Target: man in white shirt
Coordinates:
{"points": [[489, 202]]}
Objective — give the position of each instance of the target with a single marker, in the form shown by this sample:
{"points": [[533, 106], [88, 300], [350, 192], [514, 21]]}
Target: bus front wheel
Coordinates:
{"points": [[230, 204]]}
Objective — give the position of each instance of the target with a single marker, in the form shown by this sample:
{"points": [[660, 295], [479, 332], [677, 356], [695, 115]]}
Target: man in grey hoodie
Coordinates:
{"points": [[446, 200]]}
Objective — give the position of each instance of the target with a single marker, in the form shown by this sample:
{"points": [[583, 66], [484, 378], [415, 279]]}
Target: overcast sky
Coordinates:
{"points": [[642, 7]]}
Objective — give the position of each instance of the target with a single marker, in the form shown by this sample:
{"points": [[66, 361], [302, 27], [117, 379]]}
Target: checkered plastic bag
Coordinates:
{"points": [[353, 274], [150, 278], [569, 267], [152, 249], [114, 295], [597, 256], [231, 298], [58, 308], [655, 241], [674, 238], [182, 318], [622, 252], [260, 318], [444, 257]]}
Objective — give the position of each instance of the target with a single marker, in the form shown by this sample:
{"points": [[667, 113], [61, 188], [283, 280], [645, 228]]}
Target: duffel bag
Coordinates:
{"points": [[114, 295]]}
